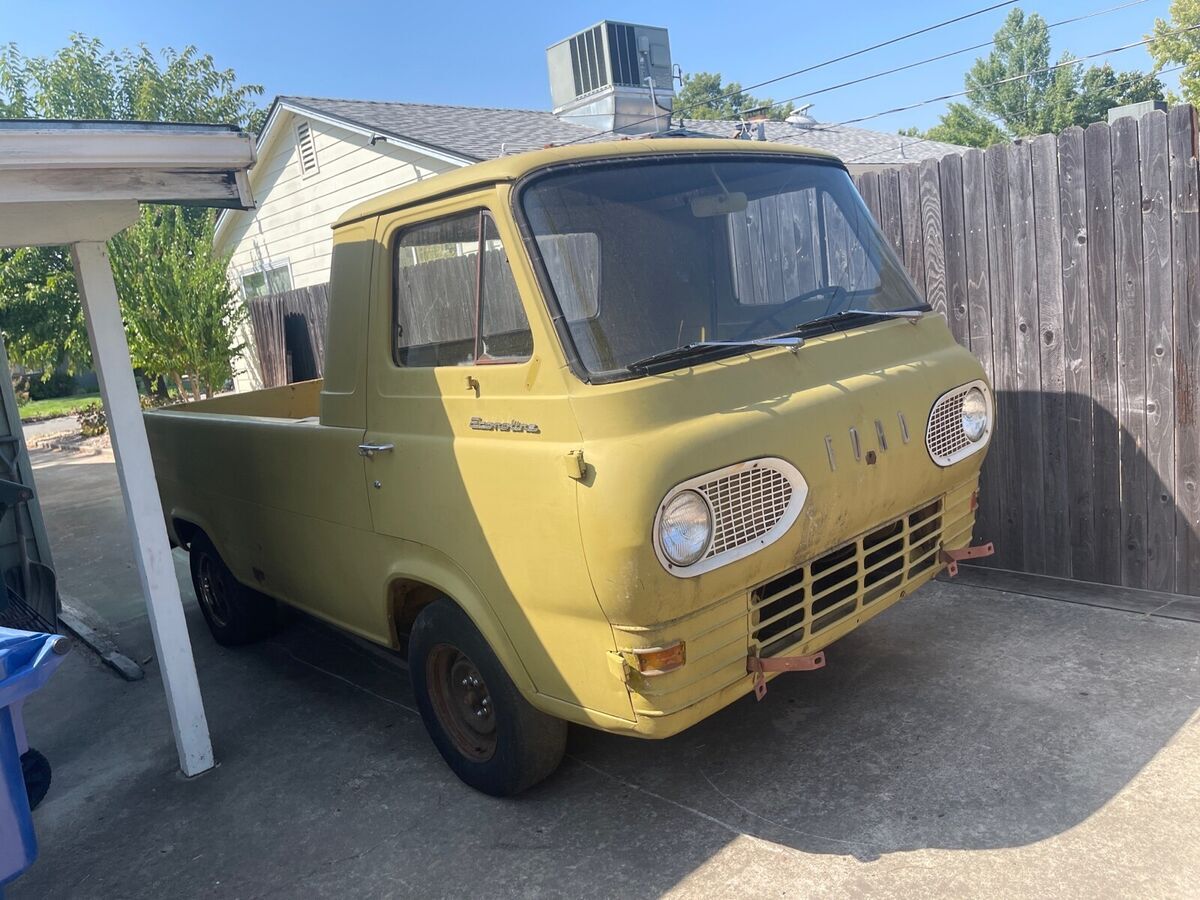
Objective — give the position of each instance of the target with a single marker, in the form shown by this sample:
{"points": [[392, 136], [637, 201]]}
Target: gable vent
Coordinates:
{"points": [[307, 148]]}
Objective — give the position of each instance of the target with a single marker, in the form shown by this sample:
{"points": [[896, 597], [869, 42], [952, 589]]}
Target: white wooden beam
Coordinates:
{"points": [[147, 185], [126, 145], [35, 224], [156, 570]]}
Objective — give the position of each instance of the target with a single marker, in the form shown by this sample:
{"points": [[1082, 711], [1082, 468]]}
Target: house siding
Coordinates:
{"points": [[293, 220]]}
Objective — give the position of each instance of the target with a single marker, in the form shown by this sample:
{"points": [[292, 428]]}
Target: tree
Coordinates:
{"points": [[962, 125], [703, 96], [1014, 92], [181, 313], [39, 306], [1180, 48]]}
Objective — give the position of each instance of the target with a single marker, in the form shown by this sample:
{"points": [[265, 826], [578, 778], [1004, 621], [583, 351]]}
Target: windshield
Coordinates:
{"points": [[649, 255]]}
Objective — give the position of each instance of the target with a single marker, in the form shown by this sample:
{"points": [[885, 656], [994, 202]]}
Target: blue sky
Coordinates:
{"points": [[493, 54]]}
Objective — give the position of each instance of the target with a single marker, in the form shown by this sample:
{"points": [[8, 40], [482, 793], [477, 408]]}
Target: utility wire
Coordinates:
{"points": [[812, 68], [994, 119], [941, 56], [1040, 71]]}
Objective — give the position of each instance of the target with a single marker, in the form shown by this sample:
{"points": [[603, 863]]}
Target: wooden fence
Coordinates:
{"points": [[1069, 265], [289, 334]]}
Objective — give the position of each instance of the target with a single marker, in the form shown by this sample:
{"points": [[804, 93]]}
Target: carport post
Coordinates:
{"points": [[110, 353]]}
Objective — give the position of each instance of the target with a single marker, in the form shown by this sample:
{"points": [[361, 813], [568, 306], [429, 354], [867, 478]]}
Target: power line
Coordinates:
{"points": [[1040, 71], [815, 66], [993, 119], [941, 56]]}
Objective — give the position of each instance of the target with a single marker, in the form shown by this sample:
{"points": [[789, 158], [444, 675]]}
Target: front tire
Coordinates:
{"points": [[235, 613], [490, 735]]}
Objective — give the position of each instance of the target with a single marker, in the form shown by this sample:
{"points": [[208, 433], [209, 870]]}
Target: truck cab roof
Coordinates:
{"points": [[512, 168]]}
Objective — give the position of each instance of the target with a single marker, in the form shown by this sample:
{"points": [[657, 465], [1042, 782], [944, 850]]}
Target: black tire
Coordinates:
{"points": [[508, 747], [36, 770], [235, 614]]}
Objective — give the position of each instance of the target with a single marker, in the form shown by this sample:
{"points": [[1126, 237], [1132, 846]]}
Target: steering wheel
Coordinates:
{"points": [[832, 292]]}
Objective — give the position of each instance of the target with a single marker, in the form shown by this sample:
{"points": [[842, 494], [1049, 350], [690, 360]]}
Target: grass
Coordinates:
{"points": [[36, 410]]}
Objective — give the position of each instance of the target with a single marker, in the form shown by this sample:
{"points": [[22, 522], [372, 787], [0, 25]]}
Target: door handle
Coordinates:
{"points": [[369, 450]]}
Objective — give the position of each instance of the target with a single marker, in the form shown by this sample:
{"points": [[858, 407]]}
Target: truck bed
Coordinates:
{"points": [[296, 402]]}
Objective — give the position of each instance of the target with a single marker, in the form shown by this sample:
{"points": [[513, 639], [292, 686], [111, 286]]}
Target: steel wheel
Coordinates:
{"points": [[461, 702], [212, 591]]}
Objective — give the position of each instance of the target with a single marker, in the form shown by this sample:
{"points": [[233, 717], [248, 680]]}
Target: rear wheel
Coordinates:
{"points": [[235, 613], [489, 734]]}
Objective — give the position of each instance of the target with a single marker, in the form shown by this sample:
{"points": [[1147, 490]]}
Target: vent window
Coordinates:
{"points": [[307, 149]]}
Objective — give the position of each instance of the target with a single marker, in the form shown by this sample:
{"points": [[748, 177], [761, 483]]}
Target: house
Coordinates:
{"points": [[317, 157]]}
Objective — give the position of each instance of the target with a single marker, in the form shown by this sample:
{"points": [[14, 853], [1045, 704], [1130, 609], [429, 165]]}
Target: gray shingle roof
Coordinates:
{"points": [[851, 145], [471, 131], [480, 133]]}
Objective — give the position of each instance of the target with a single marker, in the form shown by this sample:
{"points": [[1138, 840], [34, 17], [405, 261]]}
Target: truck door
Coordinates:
{"points": [[468, 422]]}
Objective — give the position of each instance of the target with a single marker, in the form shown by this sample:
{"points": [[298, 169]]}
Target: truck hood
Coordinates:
{"points": [[875, 384]]}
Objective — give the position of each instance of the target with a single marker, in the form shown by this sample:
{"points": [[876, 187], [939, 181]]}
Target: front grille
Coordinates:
{"points": [[807, 600], [746, 505]]}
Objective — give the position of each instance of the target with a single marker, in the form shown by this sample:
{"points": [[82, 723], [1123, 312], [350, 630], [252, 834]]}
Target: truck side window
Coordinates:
{"points": [[456, 302]]}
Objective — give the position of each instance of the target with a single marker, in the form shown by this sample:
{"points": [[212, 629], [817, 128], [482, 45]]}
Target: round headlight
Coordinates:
{"points": [[974, 414], [684, 528]]}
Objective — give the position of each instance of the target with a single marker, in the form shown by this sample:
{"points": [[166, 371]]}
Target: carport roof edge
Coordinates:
{"points": [[44, 160]]}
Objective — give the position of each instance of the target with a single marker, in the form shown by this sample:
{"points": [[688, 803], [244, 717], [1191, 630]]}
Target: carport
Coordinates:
{"points": [[77, 184]]}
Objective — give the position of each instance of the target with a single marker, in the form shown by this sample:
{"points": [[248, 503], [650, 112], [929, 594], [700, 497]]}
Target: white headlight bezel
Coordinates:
{"points": [[952, 455], [712, 560]]}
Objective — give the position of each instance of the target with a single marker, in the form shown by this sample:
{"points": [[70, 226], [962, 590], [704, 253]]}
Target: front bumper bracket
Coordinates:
{"points": [[951, 557], [758, 667]]}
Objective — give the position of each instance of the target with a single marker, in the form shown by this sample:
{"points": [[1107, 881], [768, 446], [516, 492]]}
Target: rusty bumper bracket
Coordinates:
{"points": [[951, 557], [758, 667]]}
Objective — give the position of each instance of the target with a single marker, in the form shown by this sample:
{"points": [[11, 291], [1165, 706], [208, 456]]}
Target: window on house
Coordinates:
{"points": [[307, 149], [456, 302], [270, 278]]}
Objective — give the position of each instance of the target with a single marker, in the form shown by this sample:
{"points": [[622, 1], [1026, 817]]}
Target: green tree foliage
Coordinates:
{"points": [[1003, 103], [181, 313], [1182, 48], [39, 306], [704, 96]]}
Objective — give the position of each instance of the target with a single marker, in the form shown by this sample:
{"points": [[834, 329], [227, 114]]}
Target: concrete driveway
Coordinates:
{"points": [[968, 742]]}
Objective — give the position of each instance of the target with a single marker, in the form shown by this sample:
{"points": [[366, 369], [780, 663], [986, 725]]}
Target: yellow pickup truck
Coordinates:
{"points": [[609, 434]]}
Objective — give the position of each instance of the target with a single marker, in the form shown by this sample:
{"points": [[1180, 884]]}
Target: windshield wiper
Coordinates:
{"points": [[912, 312], [698, 348]]}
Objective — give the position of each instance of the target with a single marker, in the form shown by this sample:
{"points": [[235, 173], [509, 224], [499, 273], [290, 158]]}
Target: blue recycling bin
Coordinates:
{"points": [[27, 659]]}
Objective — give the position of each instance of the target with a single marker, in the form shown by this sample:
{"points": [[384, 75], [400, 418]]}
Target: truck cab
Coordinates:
{"points": [[609, 434]]}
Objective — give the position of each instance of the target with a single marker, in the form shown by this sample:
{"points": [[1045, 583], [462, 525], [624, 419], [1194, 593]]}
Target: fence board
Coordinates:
{"points": [[1155, 178], [889, 209], [910, 210], [1052, 362], [1025, 391], [1009, 553], [932, 244], [954, 238], [1185, 245], [868, 187], [1077, 350], [1106, 479], [1131, 347]]}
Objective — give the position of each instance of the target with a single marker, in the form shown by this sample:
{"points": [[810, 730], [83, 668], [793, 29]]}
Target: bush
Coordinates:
{"points": [[92, 421], [56, 384]]}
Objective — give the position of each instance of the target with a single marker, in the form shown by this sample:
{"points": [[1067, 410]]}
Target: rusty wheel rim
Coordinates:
{"points": [[212, 592], [461, 702]]}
